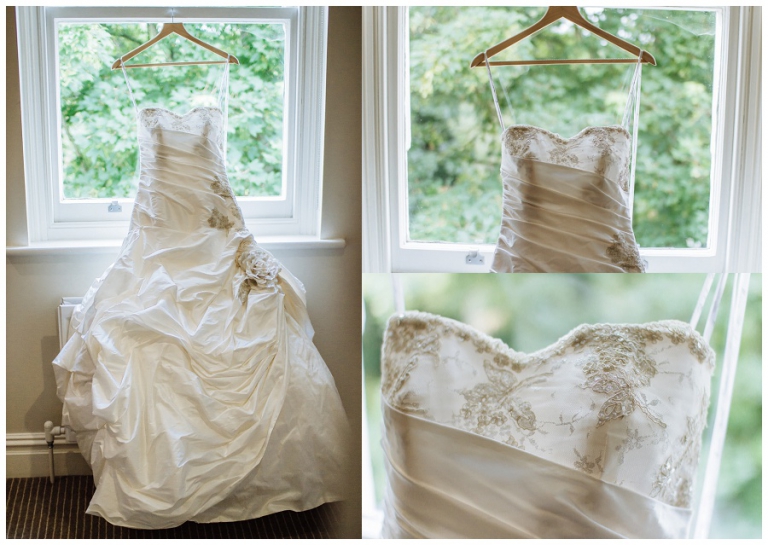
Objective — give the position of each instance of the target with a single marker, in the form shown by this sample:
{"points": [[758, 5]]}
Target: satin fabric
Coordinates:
{"points": [[596, 435], [448, 483], [557, 218], [573, 216], [192, 382]]}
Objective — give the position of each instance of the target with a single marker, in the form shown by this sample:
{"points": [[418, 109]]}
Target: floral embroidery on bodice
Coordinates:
{"points": [[601, 150], [623, 403], [566, 202], [207, 121]]}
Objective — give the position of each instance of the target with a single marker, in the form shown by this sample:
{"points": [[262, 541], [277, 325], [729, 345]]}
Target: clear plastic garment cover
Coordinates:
{"points": [[190, 377]]}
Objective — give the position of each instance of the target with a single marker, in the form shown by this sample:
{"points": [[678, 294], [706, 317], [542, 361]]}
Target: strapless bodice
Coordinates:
{"points": [[566, 202], [183, 183], [604, 150], [620, 406], [207, 121]]}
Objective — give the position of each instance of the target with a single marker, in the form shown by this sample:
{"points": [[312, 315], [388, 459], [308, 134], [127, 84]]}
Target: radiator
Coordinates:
{"points": [[66, 308]]}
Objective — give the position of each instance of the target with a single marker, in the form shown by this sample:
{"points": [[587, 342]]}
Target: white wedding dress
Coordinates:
{"points": [[190, 375], [595, 436], [567, 202]]}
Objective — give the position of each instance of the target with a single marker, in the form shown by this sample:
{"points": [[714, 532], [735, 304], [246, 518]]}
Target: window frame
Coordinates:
{"points": [[735, 194], [296, 213]]}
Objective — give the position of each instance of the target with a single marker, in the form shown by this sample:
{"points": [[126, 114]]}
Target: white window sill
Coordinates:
{"points": [[111, 246], [452, 257], [372, 522]]}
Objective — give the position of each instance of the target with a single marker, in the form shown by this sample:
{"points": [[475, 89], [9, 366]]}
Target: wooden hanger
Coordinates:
{"points": [[554, 13], [173, 28]]}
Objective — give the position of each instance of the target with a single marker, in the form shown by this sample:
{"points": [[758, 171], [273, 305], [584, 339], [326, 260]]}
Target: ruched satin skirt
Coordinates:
{"points": [[190, 407]]}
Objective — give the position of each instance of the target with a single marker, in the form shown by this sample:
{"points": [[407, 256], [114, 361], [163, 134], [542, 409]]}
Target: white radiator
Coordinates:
{"points": [[26, 454], [66, 308]]}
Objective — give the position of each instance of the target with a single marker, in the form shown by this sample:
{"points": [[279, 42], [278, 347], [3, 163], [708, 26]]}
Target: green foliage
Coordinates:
{"points": [[98, 123], [530, 311], [453, 162]]}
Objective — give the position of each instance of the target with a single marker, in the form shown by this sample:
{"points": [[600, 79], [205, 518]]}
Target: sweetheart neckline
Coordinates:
{"points": [[557, 136], [181, 116], [502, 347]]}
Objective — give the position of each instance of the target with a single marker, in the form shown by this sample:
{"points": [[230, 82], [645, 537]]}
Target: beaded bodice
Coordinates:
{"points": [[600, 150], [625, 404]]}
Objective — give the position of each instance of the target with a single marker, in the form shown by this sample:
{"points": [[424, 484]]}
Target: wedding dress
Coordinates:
{"points": [[595, 436], [567, 202], [190, 376]]}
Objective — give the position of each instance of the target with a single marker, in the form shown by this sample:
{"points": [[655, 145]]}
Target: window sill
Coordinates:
{"points": [[372, 523], [71, 247], [453, 257]]}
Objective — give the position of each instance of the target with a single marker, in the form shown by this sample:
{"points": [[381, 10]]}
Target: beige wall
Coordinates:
{"points": [[35, 284], [16, 216]]}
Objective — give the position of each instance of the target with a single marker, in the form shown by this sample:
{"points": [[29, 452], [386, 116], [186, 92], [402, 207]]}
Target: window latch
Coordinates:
{"points": [[474, 258], [115, 207]]}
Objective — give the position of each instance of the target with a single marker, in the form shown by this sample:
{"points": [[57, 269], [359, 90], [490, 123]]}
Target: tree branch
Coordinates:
{"points": [[126, 37], [85, 162]]}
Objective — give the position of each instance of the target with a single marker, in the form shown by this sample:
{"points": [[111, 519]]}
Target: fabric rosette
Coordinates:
{"points": [[260, 267]]}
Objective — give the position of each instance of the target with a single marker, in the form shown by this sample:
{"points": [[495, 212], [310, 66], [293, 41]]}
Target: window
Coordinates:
{"points": [[79, 127], [440, 156]]}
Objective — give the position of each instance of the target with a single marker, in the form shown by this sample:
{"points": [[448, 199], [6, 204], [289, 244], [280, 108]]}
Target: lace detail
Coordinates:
{"points": [[220, 186], [217, 220], [204, 121], [625, 253], [419, 339], [634, 441], [431, 363], [583, 463], [494, 403], [606, 161], [618, 367], [518, 140], [561, 156], [700, 349], [602, 150], [419, 334], [260, 267], [674, 478]]}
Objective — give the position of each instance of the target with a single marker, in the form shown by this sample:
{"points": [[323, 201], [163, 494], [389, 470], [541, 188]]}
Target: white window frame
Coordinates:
{"points": [[735, 195], [296, 213]]}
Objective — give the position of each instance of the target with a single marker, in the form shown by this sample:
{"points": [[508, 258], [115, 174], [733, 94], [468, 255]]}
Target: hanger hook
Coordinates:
{"points": [[173, 12]]}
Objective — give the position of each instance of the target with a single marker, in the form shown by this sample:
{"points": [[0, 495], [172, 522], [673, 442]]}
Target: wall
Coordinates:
{"points": [[35, 284]]}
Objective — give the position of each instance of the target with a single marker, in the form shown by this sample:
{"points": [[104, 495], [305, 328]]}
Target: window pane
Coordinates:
{"points": [[454, 186], [98, 125]]}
